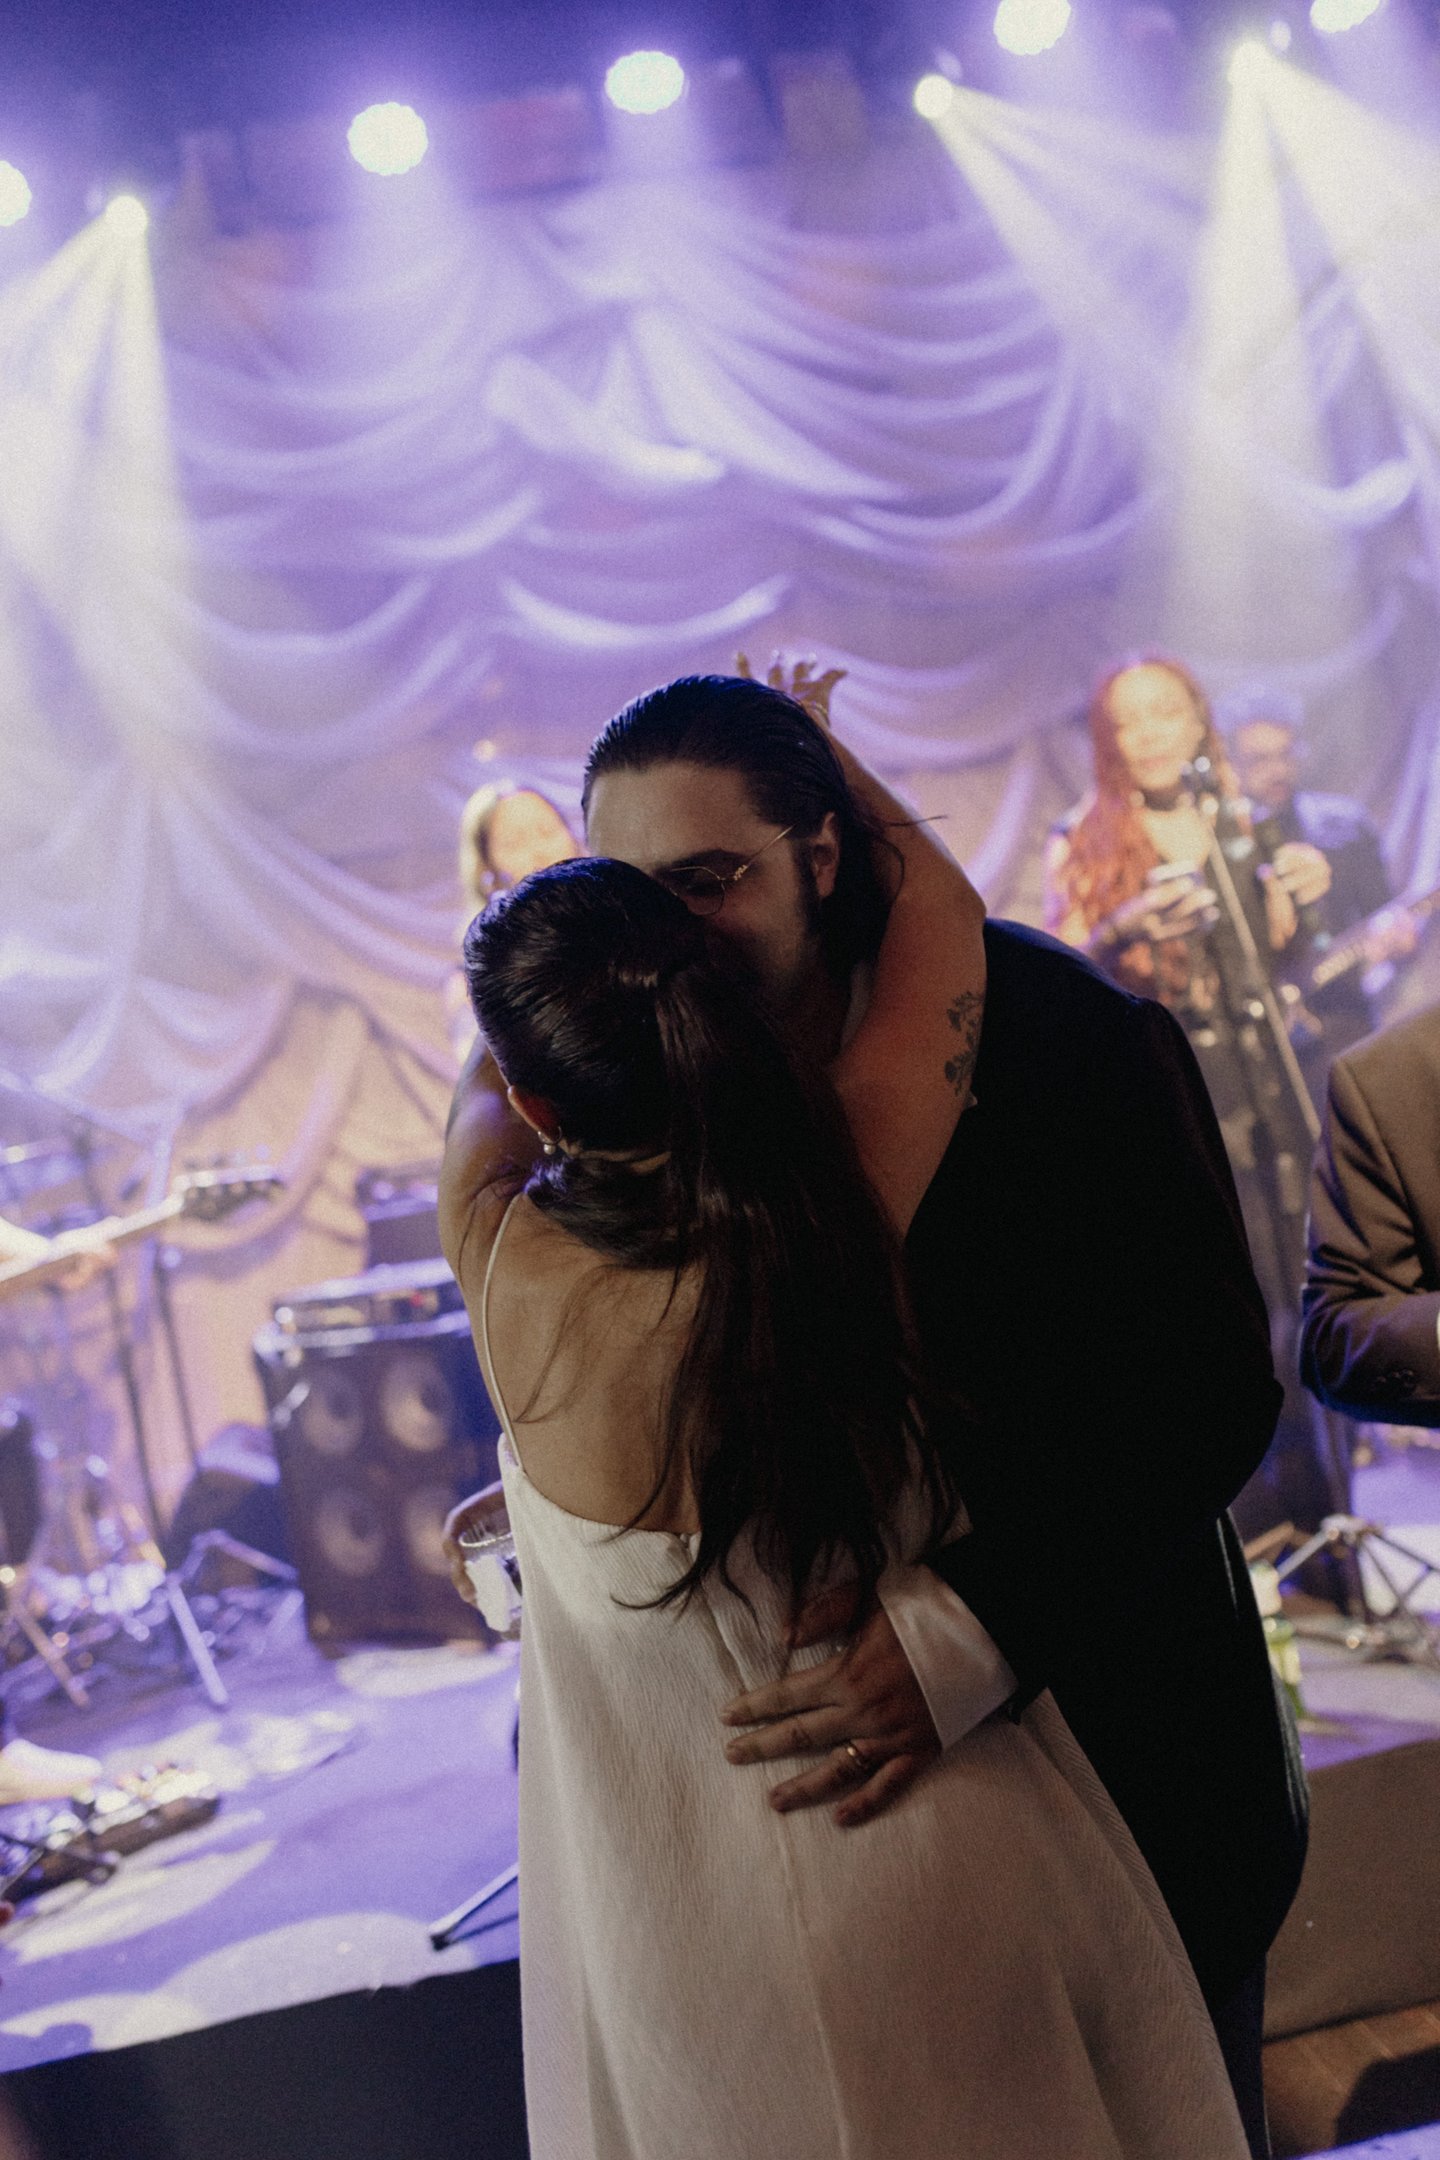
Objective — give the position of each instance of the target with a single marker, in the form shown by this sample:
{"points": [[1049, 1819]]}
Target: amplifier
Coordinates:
{"points": [[399, 1207], [378, 1432], [383, 1297]]}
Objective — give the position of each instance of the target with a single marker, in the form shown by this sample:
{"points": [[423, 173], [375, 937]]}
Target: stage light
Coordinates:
{"points": [[14, 194], [933, 95], [644, 82], [1333, 16], [127, 216], [1281, 36], [1031, 26], [388, 139], [1247, 63]]}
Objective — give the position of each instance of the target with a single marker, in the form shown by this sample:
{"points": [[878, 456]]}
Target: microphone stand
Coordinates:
{"points": [[1280, 1101], [1258, 1000]]}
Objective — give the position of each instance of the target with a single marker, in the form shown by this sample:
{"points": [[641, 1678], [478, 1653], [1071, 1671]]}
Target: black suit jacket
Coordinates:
{"points": [[1372, 1286], [1081, 1278]]}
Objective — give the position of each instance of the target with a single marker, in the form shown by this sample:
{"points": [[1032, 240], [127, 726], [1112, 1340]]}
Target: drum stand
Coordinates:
{"points": [[16, 1616], [1402, 1631]]}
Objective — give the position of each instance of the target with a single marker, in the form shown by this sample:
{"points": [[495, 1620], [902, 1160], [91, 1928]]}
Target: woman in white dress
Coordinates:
{"points": [[679, 1249]]}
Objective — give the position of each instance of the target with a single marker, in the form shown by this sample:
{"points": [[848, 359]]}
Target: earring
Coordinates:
{"points": [[548, 1147]]}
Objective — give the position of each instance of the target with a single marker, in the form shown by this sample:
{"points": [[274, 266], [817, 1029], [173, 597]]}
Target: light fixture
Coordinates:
{"points": [[14, 194], [127, 216], [1333, 16], [932, 96], [1280, 34], [388, 139], [644, 82], [1031, 26]]}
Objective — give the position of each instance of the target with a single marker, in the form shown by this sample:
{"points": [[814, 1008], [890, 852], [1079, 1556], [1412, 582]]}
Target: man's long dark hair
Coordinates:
{"points": [[793, 1403], [791, 772]]}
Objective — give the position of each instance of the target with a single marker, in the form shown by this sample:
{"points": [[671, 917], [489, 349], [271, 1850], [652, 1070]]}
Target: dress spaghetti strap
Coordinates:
{"points": [[495, 1388]]}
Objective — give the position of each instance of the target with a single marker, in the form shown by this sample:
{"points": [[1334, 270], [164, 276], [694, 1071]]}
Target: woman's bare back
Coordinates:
{"points": [[585, 1351]]}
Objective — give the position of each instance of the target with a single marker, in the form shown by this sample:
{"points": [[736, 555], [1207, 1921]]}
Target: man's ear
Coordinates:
{"points": [[825, 855], [539, 1114]]}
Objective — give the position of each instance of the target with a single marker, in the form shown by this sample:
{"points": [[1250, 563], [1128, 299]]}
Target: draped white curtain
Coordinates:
{"points": [[284, 537]]}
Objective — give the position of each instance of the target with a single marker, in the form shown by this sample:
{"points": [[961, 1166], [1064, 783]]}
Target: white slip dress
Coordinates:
{"points": [[985, 1972]]}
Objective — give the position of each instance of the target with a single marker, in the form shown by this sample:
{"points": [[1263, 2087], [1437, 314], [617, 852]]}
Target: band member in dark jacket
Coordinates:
{"points": [[1087, 1305], [1372, 1289], [1263, 731]]}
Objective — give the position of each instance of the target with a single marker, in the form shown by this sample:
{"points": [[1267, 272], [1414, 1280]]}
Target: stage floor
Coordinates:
{"points": [[362, 1799]]}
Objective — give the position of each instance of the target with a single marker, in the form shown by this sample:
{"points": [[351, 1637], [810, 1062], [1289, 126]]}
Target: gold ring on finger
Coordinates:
{"points": [[859, 1758]]}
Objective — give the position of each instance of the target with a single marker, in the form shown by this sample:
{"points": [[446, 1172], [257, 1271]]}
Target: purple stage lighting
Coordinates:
{"points": [[14, 194], [1333, 16], [1030, 26], [388, 139], [644, 82]]}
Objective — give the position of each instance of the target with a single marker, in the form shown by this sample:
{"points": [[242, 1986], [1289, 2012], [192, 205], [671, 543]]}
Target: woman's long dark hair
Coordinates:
{"points": [[793, 1403]]}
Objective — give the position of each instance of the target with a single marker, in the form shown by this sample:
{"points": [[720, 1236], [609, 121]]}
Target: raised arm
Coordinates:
{"points": [[904, 1076]]}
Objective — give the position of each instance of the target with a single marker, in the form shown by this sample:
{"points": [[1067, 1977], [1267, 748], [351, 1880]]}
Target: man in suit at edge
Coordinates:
{"points": [[1081, 1281], [1369, 1343]]}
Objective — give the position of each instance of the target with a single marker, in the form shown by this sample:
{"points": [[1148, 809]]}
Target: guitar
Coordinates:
{"points": [[199, 1196], [1347, 951]]}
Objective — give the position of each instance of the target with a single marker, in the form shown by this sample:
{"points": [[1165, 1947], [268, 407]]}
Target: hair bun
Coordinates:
{"points": [[677, 943]]}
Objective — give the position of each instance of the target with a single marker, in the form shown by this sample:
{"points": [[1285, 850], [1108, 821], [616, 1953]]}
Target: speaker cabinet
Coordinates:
{"points": [[378, 1432]]}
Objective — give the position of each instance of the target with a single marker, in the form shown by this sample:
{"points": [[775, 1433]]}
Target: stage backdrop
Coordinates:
{"points": [[302, 535]]}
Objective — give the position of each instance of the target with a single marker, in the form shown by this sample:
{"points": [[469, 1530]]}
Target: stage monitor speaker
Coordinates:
{"points": [[378, 1432]]}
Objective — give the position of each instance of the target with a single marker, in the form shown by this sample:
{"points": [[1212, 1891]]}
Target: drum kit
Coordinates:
{"points": [[81, 1565]]}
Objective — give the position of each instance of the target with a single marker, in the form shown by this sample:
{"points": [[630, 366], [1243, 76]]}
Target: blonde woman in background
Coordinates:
{"points": [[506, 833]]}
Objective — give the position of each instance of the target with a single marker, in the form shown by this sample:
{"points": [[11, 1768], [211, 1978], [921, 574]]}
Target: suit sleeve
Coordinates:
{"points": [[1155, 1315], [1368, 1342]]}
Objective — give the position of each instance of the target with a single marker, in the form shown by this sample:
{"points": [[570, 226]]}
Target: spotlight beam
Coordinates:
{"points": [[1252, 574]]}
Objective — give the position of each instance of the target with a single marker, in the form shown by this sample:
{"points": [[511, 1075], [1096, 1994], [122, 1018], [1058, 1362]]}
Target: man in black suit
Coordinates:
{"points": [[1368, 1342], [1090, 1317]]}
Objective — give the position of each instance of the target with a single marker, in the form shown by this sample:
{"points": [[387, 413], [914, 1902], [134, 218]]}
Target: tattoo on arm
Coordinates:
{"points": [[965, 1016]]}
